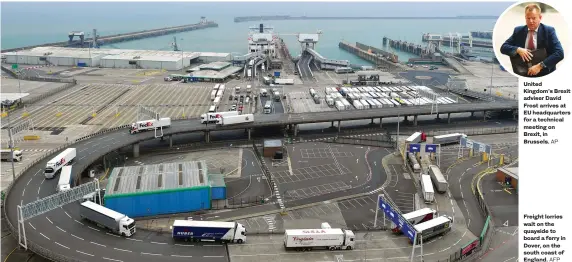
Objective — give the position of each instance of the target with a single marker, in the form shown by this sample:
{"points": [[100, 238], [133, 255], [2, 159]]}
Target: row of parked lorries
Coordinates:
{"points": [[434, 178]]}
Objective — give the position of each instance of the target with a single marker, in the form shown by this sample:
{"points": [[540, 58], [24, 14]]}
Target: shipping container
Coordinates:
{"points": [[347, 104], [213, 94], [377, 103], [357, 104], [340, 106]]}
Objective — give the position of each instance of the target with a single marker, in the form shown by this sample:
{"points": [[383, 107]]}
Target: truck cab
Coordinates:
{"points": [[127, 226], [240, 233], [350, 240]]}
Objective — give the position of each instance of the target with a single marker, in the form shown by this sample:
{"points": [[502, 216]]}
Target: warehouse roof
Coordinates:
{"points": [[159, 177], [272, 143], [143, 58]]}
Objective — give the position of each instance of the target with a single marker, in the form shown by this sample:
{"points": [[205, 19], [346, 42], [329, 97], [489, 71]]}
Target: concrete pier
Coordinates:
{"points": [[378, 60], [111, 39], [136, 150]]}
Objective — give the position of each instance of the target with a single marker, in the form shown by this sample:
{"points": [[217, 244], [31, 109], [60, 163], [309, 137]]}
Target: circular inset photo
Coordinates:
{"points": [[529, 39]]}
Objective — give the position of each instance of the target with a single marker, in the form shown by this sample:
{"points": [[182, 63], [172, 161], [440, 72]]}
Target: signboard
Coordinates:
{"points": [[463, 141], [469, 143], [476, 146], [430, 148], [15, 66], [414, 148], [276, 73], [397, 219], [470, 248], [482, 148]]}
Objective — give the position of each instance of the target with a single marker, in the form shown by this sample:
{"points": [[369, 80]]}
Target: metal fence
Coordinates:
{"points": [[239, 202]]}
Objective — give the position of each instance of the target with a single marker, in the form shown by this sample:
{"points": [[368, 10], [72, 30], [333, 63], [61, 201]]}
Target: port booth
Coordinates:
{"points": [[508, 177], [271, 146]]}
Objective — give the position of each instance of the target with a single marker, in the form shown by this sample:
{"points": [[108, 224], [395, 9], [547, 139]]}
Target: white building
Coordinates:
{"points": [[142, 62]]}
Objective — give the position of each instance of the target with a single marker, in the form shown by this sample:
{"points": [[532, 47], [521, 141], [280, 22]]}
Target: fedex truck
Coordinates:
{"points": [[54, 166], [150, 125], [209, 230], [325, 238], [416, 217], [212, 117], [232, 120]]}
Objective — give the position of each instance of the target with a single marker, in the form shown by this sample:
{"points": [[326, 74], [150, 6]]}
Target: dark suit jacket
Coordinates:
{"points": [[546, 38]]}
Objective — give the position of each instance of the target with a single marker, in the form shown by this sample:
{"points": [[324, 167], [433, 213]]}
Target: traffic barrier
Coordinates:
{"points": [[31, 137]]}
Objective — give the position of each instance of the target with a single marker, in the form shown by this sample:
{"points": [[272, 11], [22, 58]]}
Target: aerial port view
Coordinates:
{"points": [[202, 132]]}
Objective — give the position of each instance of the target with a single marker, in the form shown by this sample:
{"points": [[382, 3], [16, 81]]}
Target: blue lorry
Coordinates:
{"points": [[232, 232]]}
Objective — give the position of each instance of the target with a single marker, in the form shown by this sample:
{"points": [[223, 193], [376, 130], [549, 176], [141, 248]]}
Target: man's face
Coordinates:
{"points": [[532, 19]]}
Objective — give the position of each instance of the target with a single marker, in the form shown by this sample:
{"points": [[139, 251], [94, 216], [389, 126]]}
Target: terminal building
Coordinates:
{"points": [[112, 58], [508, 176], [167, 188]]}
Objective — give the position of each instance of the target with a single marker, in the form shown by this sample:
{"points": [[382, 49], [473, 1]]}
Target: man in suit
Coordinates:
{"points": [[535, 35]]}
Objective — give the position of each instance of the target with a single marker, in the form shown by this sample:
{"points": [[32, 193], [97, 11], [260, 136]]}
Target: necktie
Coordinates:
{"points": [[531, 40]]}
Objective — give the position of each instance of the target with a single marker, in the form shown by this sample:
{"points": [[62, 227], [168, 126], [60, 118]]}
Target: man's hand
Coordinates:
{"points": [[525, 54], [534, 70]]}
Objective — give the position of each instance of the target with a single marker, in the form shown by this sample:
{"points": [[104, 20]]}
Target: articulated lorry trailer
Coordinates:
{"points": [[233, 232], [325, 238], [150, 125], [416, 217], [212, 117], [54, 166], [7, 155], [434, 227], [104, 217], [233, 120]]}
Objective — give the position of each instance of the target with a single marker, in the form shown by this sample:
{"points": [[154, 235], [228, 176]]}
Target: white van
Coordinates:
{"points": [[212, 109]]}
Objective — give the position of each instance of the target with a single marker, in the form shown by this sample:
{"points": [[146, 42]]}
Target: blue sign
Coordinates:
{"points": [[276, 74], [488, 148], [431, 148], [398, 220], [414, 148], [463, 141], [477, 146]]}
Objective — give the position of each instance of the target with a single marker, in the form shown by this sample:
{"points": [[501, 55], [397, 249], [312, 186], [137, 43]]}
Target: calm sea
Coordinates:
{"points": [[42, 23]]}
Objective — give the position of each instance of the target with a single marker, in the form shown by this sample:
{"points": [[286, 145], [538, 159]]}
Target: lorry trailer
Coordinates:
{"points": [[150, 125], [448, 139], [436, 226], [212, 117], [54, 166], [438, 179], [104, 217], [7, 155], [417, 137], [416, 217], [65, 179], [232, 120], [308, 239], [427, 188], [209, 230]]}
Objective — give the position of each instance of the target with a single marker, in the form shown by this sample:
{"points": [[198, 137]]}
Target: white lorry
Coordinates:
{"points": [[7, 155], [427, 187], [65, 179], [212, 117], [284, 81], [436, 226], [233, 232], [327, 238], [54, 166], [104, 217], [232, 120], [150, 125]]}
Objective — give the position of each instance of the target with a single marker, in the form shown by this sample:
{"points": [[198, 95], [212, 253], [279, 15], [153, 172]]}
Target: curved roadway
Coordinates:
{"points": [[62, 232]]}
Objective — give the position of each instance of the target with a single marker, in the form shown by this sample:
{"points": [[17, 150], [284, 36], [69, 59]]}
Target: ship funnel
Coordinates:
{"points": [[261, 28]]}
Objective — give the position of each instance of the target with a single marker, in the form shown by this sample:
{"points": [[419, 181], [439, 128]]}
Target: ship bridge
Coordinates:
{"points": [[324, 63]]}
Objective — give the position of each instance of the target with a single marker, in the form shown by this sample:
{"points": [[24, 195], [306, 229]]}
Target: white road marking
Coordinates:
{"points": [[28, 182], [32, 225], [124, 250], [180, 256], [84, 253], [112, 234], [133, 239], [184, 245], [159, 243], [112, 259], [77, 237], [23, 191], [151, 254], [60, 229], [213, 256], [93, 228], [45, 236], [62, 245], [98, 244], [49, 220], [38, 191], [67, 214], [79, 222]]}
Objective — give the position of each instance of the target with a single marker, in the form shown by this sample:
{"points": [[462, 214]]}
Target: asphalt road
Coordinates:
{"points": [[46, 233], [252, 182], [304, 65]]}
